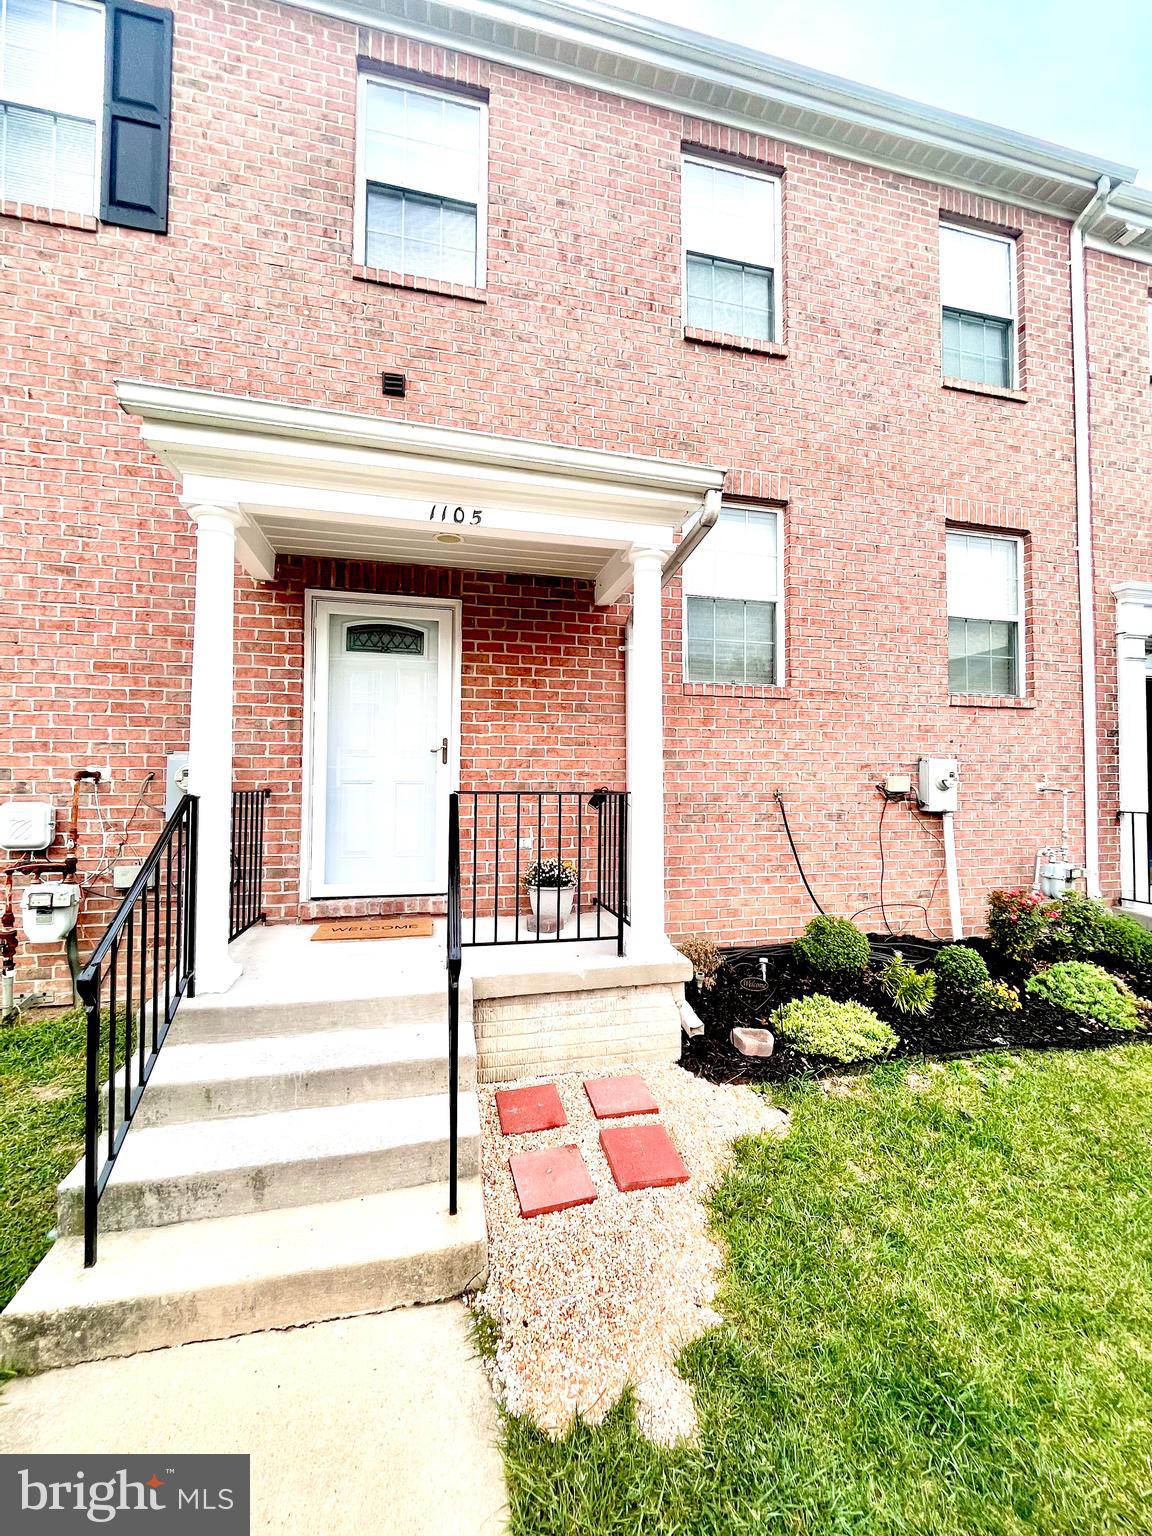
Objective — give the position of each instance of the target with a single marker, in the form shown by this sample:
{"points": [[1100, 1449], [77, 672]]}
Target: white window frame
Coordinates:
{"points": [[686, 592], [1012, 317], [369, 77], [774, 264], [1020, 619], [98, 143]]}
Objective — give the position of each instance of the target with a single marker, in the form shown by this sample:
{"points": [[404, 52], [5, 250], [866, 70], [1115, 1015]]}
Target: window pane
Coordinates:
{"points": [[976, 349], [421, 142], [51, 56], [983, 657], [422, 236], [725, 296], [739, 558], [983, 576], [731, 641], [47, 160], [975, 272], [729, 213]]}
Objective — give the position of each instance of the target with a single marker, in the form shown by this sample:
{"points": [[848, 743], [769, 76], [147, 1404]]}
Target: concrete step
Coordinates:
{"points": [[281, 1072], [239, 1274], [225, 1016], [172, 1173]]}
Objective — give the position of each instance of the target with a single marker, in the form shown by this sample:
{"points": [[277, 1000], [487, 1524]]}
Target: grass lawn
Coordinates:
{"points": [[939, 1320], [41, 1135]]}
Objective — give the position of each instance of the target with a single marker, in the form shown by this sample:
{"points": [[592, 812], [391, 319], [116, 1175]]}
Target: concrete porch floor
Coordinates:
{"points": [[282, 964]]}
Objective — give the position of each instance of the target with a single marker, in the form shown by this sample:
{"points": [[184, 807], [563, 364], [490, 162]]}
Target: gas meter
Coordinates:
{"points": [[48, 910]]}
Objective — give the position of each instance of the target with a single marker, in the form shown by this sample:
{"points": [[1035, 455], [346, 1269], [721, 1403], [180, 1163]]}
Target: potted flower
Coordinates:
{"points": [[551, 887]]}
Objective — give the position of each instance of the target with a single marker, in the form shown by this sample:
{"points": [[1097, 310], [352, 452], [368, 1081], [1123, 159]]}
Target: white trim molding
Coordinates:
{"points": [[642, 59], [305, 480]]}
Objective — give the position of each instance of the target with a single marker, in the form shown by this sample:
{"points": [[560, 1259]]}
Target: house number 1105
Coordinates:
{"points": [[443, 513]]}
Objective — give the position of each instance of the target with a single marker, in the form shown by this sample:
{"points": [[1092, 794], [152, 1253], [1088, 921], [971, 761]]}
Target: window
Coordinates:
{"points": [[421, 187], [985, 612], [51, 100], [733, 585], [731, 251], [978, 296]]}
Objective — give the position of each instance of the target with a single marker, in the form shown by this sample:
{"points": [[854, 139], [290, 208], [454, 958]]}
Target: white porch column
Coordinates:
{"points": [[210, 738], [645, 732]]}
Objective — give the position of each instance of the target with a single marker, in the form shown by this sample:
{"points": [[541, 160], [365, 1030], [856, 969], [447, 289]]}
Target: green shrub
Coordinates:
{"points": [[1085, 992], [1021, 923], [832, 946], [960, 968], [840, 1031], [910, 990], [1127, 942], [1082, 925]]}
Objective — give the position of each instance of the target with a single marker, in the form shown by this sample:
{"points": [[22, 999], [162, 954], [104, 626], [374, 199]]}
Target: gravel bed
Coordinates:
{"points": [[593, 1299]]}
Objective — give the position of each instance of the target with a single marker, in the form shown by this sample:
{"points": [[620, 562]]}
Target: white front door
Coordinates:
{"points": [[382, 748]]}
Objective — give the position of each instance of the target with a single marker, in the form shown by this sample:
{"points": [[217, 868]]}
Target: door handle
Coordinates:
{"points": [[442, 749]]}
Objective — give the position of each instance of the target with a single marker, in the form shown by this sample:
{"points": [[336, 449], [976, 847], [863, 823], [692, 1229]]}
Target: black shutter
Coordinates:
{"points": [[137, 110]]}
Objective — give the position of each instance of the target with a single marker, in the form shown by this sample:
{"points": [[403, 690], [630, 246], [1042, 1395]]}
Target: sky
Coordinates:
{"points": [[1075, 72]]}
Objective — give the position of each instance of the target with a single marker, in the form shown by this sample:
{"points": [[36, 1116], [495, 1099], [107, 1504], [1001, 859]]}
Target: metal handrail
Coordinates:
{"points": [[246, 885], [138, 981], [584, 830], [1135, 857], [454, 954]]}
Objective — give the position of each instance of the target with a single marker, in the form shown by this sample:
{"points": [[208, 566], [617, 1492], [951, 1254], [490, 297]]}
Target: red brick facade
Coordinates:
{"points": [[577, 339]]}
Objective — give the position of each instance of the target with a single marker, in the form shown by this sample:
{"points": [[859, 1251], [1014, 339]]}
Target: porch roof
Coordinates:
{"points": [[308, 481]]}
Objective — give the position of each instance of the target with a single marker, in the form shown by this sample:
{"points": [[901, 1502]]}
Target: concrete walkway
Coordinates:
{"points": [[370, 1426]]}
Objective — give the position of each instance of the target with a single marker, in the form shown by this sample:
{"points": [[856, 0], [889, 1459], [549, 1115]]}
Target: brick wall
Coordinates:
{"points": [[1118, 294], [577, 339]]}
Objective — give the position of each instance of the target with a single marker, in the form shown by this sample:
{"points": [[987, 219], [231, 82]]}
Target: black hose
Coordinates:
{"points": [[792, 844]]}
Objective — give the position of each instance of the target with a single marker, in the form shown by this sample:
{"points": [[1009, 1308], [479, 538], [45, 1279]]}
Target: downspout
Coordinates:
{"points": [[694, 537], [1082, 447]]}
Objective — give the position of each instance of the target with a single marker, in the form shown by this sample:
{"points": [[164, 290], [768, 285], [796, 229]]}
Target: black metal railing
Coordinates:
{"points": [[130, 989], [246, 891], [1135, 857], [454, 950], [542, 866]]}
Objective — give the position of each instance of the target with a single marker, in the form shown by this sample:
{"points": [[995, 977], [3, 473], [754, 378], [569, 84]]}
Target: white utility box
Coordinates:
{"points": [[27, 826], [48, 911], [939, 784]]}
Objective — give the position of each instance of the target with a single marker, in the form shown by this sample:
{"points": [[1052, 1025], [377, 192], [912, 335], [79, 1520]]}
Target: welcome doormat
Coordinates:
{"points": [[416, 926]]}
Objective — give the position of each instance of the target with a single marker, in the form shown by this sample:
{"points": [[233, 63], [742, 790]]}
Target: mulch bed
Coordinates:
{"points": [[746, 991]]}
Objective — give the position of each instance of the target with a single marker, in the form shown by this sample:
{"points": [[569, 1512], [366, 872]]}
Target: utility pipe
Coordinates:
{"points": [[1082, 447], [952, 875], [694, 537]]}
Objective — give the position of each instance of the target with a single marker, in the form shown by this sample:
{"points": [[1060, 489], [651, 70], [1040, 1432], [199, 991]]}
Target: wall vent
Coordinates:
{"points": [[395, 385]]}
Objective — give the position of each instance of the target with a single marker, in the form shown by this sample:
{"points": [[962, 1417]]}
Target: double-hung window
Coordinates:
{"points": [[985, 614], [978, 300], [733, 585], [422, 184], [51, 102], [731, 226]]}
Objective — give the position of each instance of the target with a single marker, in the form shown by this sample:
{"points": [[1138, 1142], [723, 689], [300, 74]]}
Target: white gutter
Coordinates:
{"points": [[695, 534], [1083, 450]]}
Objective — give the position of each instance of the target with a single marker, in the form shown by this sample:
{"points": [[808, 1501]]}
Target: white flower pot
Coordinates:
{"points": [[551, 906]]}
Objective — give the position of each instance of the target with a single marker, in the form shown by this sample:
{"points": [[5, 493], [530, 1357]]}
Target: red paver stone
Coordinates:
{"points": [[552, 1179], [642, 1157], [611, 1096], [535, 1108]]}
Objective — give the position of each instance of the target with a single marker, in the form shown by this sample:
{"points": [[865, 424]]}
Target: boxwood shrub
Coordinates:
{"points": [[840, 1031], [832, 946], [960, 968]]}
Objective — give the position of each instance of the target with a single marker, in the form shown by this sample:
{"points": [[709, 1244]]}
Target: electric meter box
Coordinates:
{"points": [[48, 910], [939, 787], [27, 826]]}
